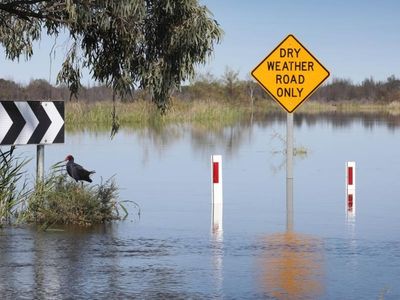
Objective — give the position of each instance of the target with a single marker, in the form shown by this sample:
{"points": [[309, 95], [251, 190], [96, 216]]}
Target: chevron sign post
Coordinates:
{"points": [[32, 122]]}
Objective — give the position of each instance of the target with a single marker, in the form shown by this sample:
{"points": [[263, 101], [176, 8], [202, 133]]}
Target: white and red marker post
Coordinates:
{"points": [[216, 192], [351, 188]]}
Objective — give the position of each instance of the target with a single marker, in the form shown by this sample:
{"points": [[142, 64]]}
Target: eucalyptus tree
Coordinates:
{"points": [[126, 44]]}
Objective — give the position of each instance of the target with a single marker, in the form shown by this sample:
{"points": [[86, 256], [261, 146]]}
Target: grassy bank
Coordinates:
{"points": [[392, 108], [144, 113]]}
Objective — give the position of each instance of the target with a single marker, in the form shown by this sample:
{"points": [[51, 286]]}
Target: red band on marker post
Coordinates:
{"points": [[215, 172], [216, 192], [350, 202], [350, 175], [351, 188]]}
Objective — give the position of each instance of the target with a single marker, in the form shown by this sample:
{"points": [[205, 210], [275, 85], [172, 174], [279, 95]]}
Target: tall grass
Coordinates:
{"points": [[59, 200], [13, 185], [314, 107], [209, 113], [140, 114]]}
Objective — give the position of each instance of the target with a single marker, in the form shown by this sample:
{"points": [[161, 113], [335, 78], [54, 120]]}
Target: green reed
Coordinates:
{"points": [[140, 114], [13, 185]]}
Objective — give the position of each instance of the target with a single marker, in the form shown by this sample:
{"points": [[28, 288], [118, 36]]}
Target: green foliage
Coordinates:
{"points": [[59, 200], [151, 44], [12, 185]]}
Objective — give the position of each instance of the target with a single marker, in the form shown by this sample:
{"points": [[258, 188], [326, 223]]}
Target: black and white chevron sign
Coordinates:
{"points": [[31, 122]]}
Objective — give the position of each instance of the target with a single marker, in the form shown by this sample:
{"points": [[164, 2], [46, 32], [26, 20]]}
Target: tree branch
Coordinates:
{"points": [[22, 10]]}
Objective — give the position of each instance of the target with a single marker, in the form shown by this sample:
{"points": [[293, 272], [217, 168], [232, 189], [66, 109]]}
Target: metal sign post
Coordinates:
{"points": [[39, 163], [289, 172], [290, 74]]}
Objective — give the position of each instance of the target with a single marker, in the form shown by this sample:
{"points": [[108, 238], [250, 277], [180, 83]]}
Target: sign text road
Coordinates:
{"points": [[290, 73]]}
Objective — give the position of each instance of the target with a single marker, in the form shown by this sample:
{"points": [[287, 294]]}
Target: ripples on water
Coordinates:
{"points": [[99, 265], [171, 254]]}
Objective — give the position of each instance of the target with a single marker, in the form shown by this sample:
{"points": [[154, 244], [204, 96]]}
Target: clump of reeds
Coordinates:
{"points": [[58, 200], [12, 184]]}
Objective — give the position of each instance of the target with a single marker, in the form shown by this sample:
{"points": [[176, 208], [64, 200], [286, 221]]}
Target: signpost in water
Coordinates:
{"points": [[290, 74]]}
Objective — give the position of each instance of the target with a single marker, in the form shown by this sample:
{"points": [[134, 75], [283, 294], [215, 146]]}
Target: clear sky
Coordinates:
{"points": [[353, 39]]}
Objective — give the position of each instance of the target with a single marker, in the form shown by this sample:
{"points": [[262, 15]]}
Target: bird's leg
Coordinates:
{"points": [[82, 185]]}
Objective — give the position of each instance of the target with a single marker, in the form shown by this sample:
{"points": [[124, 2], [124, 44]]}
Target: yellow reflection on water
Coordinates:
{"points": [[292, 266]]}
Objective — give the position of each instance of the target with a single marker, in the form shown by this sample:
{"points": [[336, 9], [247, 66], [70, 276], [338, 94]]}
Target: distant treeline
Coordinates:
{"points": [[40, 89], [227, 88]]}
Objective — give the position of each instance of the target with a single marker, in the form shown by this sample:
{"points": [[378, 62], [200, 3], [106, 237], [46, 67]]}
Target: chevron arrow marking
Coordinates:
{"points": [[44, 122], [18, 122], [31, 123], [56, 123], [5, 122]]}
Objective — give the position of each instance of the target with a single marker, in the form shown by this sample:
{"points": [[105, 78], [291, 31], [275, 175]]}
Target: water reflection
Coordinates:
{"points": [[217, 223], [15, 264], [292, 262], [47, 280], [350, 207], [292, 266], [203, 138], [217, 261], [86, 264], [345, 119], [67, 258], [164, 257], [230, 138]]}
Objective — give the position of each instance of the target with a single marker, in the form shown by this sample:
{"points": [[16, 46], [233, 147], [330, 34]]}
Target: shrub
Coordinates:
{"points": [[59, 200]]}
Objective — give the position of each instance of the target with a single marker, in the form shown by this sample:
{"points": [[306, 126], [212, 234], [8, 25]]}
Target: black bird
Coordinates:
{"points": [[76, 171]]}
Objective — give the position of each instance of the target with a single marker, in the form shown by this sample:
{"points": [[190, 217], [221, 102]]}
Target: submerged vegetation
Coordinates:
{"points": [[57, 200]]}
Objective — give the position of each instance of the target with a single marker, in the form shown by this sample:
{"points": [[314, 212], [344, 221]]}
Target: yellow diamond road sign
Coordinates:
{"points": [[290, 73]]}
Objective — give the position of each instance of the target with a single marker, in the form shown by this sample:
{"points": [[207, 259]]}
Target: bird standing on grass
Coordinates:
{"points": [[76, 171]]}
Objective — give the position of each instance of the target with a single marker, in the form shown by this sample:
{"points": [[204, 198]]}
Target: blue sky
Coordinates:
{"points": [[353, 39]]}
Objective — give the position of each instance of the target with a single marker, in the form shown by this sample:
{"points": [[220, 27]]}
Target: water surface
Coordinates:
{"points": [[171, 252]]}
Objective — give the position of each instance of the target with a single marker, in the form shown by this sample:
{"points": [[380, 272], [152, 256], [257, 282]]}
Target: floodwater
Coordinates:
{"points": [[170, 251]]}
